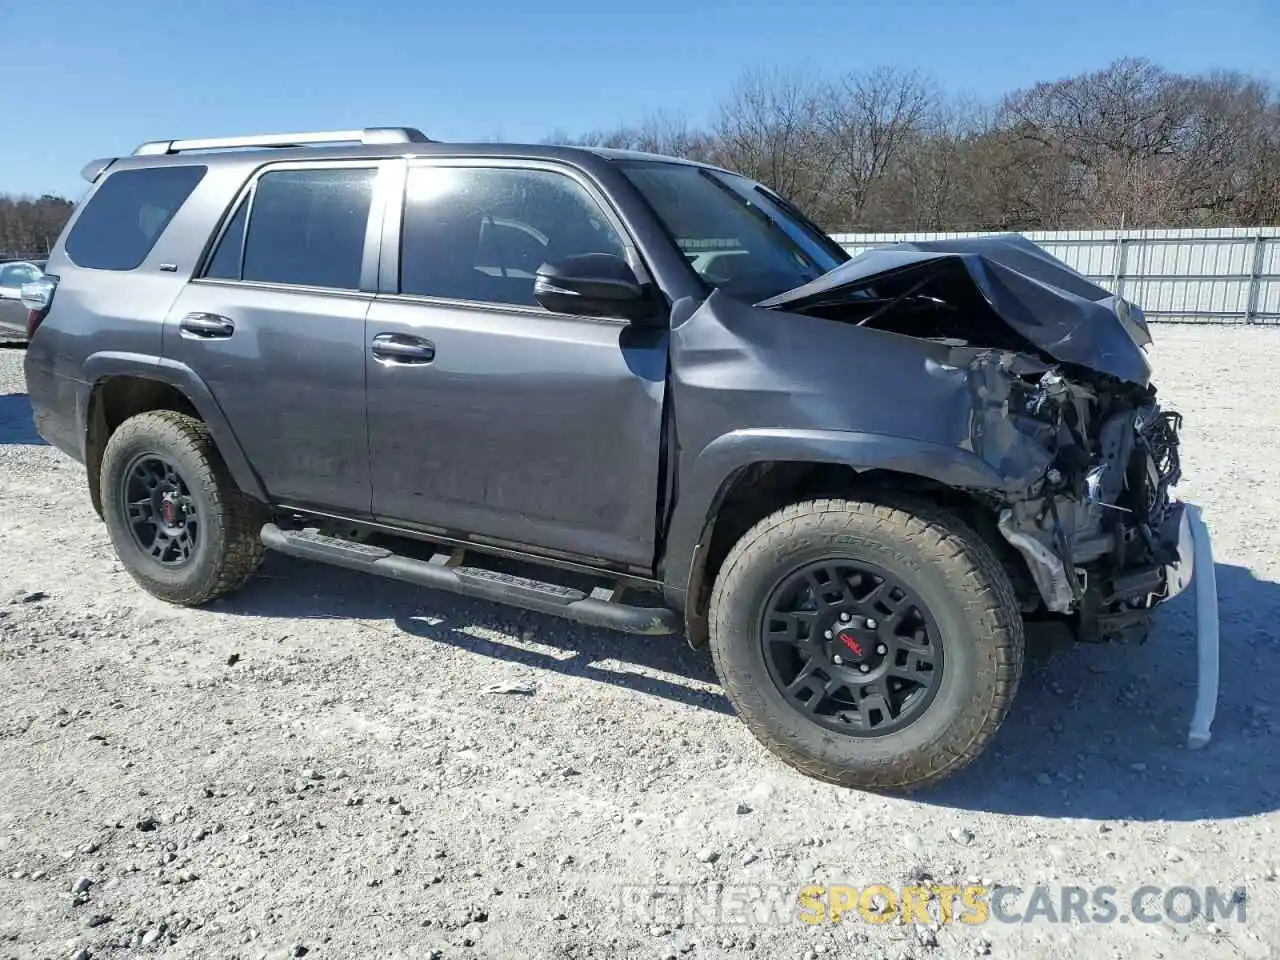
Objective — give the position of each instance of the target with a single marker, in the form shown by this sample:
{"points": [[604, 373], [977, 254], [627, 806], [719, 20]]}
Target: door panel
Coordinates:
{"points": [[526, 427], [290, 379], [277, 328], [488, 415]]}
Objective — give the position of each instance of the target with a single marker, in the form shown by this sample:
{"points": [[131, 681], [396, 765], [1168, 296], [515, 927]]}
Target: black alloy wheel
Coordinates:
{"points": [[163, 517], [178, 521], [875, 643], [851, 647]]}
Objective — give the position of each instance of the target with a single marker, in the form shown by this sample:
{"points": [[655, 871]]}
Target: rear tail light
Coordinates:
{"points": [[37, 297]]}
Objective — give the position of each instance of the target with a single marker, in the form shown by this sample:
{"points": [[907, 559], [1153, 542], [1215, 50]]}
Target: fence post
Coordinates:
{"points": [[1255, 279], [1117, 274]]}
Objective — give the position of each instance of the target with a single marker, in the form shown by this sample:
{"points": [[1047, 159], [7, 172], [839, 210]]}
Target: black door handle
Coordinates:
{"points": [[398, 348], [206, 326]]}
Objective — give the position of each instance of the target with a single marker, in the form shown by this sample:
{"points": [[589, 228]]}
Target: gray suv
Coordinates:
{"points": [[630, 390]]}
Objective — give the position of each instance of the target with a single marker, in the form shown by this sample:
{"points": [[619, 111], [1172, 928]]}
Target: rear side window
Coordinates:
{"points": [[126, 215], [305, 227]]}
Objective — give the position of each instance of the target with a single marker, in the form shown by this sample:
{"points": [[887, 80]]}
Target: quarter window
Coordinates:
{"points": [[305, 227], [126, 215], [225, 263], [481, 233]]}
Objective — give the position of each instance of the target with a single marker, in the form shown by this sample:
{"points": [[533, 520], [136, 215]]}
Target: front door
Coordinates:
{"points": [[490, 416], [275, 328]]}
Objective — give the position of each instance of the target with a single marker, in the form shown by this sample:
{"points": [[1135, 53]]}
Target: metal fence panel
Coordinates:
{"points": [[1267, 308], [1211, 275]]}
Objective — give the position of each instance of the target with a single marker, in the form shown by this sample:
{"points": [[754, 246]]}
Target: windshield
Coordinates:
{"points": [[736, 235]]}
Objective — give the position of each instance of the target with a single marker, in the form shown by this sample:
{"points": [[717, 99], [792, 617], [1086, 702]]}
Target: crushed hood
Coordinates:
{"points": [[1037, 296]]}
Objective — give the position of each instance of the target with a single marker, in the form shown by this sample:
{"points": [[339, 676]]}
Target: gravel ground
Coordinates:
{"points": [[317, 766]]}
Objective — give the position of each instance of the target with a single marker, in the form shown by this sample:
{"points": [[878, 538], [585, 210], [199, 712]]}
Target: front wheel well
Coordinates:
{"points": [[113, 401], [755, 491]]}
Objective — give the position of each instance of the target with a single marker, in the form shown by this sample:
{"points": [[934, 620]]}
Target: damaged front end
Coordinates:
{"points": [[1060, 408], [1100, 532]]}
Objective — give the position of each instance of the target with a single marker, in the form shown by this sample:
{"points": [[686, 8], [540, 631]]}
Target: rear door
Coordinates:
{"points": [[275, 327], [489, 415]]}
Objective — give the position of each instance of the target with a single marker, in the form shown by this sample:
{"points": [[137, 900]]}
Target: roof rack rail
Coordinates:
{"points": [[369, 135]]}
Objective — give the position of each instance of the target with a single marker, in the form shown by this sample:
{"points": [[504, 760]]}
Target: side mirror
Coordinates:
{"points": [[592, 285]]}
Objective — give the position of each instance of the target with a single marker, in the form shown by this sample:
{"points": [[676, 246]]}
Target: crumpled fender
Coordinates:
{"points": [[751, 385]]}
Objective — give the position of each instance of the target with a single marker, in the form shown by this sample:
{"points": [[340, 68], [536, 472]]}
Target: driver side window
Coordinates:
{"points": [[481, 233]]}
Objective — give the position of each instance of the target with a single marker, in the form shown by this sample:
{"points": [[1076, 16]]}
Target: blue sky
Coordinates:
{"points": [[85, 79]]}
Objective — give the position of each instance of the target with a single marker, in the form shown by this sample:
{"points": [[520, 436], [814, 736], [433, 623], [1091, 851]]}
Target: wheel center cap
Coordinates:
{"points": [[169, 510], [851, 643]]}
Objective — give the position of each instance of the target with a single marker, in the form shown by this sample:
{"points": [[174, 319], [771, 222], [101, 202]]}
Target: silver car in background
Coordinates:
{"points": [[13, 315]]}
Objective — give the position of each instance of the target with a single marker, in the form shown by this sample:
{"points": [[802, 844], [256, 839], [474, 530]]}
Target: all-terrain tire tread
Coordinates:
{"points": [[990, 600], [241, 515]]}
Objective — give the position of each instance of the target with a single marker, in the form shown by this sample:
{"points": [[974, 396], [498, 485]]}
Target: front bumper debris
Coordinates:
{"points": [[1046, 567], [1101, 535], [1102, 538], [1207, 654], [1180, 572], [1112, 604]]}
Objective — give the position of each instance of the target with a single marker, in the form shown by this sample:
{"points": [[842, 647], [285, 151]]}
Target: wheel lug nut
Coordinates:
{"points": [[837, 660], [827, 634], [881, 649], [844, 618], [871, 623], [864, 668]]}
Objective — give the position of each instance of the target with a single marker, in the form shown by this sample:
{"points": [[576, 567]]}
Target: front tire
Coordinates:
{"points": [[180, 525], [871, 644]]}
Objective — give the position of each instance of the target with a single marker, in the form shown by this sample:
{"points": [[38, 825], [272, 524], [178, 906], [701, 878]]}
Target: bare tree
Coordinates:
{"points": [[1259, 201], [672, 135], [770, 129], [1226, 134], [662, 133], [931, 184], [1147, 147], [868, 118]]}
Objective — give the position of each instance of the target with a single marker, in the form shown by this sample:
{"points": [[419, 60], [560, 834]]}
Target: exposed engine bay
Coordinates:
{"points": [[1100, 531]]}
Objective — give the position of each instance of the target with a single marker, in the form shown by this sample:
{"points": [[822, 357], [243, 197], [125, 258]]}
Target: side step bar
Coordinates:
{"points": [[438, 573]]}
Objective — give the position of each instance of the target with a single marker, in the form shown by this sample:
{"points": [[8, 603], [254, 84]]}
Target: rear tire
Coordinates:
{"points": [[180, 525], [953, 627]]}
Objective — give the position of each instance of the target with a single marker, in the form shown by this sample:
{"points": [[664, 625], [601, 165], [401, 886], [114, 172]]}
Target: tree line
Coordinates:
{"points": [[29, 227], [1131, 145]]}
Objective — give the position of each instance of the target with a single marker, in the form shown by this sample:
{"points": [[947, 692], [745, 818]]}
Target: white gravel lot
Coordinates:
{"points": [[167, 757]]}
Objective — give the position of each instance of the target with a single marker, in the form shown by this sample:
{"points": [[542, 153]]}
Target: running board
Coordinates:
{"points": [[442, 573]]}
